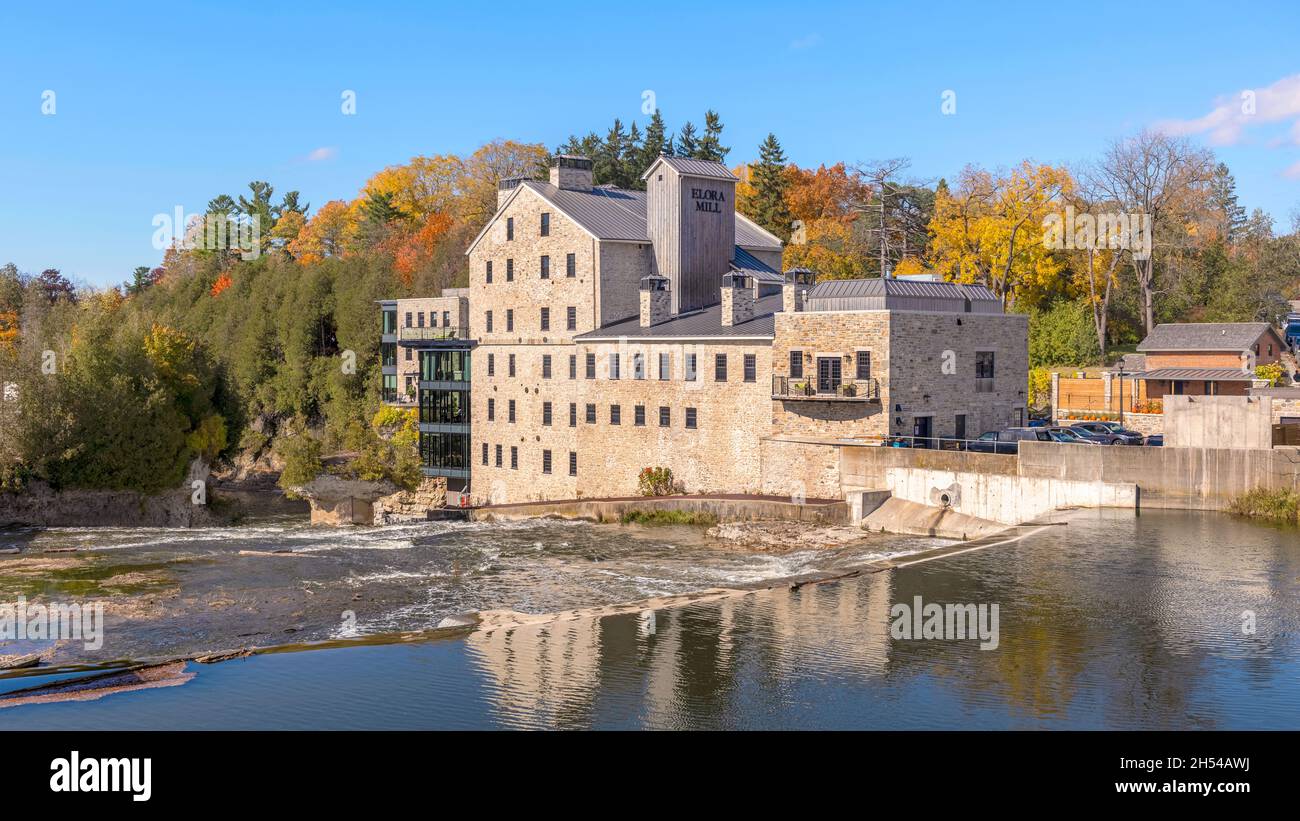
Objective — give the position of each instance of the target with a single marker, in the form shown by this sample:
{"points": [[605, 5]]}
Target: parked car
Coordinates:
{"points": [[1112, 432], [1156, 440], [1008, 440], [1074, 436]]}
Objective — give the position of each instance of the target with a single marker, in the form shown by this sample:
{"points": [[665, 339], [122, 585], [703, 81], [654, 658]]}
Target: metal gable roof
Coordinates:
{"points": [[1203, 336], [688, 167], [751, 235], [747, 263]]}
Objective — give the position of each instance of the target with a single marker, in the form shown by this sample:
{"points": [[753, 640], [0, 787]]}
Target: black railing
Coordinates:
{"points": [[425, 334], [790, 387]]}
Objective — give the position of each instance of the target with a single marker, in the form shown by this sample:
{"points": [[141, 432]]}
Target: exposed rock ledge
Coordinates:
{"points": [[336, 500], [39, 505], [782, 536]]}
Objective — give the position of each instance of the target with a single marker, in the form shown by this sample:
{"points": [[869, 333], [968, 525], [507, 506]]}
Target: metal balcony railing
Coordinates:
{"points": [[853, 390], [426, 334]]}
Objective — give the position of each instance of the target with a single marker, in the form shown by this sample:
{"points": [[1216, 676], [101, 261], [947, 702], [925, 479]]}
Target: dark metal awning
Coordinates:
{"points": [[1192, 374]]}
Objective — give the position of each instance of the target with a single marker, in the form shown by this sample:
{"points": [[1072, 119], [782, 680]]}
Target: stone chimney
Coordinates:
{"points": [[656, 302], [571, 172], [737, 299], [794, 292], [505, 188]]}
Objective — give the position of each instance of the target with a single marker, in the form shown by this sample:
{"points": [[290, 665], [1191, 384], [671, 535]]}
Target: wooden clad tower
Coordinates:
{"points": [[691, 222]]}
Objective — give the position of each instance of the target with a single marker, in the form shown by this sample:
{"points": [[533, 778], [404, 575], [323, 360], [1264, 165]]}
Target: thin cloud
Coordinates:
{"points": [[1232, 114], [1292, 171], [322, 154]]}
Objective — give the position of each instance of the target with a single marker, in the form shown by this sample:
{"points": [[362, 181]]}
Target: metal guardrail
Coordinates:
{"points": [[426, 334], [853, 390]]}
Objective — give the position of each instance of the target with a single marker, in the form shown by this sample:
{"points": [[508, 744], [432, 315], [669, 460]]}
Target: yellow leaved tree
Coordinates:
{"points": [[989, 230]]}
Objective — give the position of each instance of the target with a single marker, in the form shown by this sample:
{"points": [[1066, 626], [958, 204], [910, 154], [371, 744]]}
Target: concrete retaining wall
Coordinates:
{"points": [[726, 509], [1004, 498], [1218, 422], [1183, 478]]}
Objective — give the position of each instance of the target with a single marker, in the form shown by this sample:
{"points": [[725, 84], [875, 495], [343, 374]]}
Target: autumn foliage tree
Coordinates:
{"points": [[989, 230]]}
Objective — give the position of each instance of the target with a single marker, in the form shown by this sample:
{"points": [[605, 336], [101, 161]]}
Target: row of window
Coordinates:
{"points": [[543, 227], [543, 268], [543, 320], [615, 414], [433, 319], [690, 362], [514, 458]]}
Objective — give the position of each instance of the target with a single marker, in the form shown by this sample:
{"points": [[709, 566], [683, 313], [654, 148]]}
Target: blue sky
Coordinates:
{"points": [[168, 105]]}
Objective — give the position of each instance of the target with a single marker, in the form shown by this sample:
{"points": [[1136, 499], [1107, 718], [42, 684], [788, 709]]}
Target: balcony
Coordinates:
{"points": [[431, 334], [806, 390]]}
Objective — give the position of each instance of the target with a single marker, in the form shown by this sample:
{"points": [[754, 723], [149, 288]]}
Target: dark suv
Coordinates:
{"points": [[1112, 432], [1008, 441]]}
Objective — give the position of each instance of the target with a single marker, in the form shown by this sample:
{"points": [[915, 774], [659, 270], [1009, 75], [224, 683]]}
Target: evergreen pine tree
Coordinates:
{"points": [[656, 142], [687, 143], [1223, 193], [710, 146], [768, 176]]}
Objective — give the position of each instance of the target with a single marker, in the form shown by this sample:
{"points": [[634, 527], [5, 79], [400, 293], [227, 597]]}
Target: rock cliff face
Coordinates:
{"points": [[39, 505], [411, 505]]}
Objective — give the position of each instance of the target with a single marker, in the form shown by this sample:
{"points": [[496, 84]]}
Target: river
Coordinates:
{"points": [[1166, 619]]}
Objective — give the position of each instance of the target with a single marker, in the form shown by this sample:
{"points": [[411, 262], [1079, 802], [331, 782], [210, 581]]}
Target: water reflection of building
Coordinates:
{"points": [[688, 671], [540, 675]]}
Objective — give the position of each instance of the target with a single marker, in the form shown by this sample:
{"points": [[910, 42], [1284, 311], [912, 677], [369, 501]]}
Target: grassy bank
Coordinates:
{"points": [[669, 517], [1275, 505]]}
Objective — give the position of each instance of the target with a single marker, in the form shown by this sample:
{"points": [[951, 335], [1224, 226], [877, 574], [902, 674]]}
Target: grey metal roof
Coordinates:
{"points": [[747, 263], [609, 213], [704, 323], [1210, 374], [1203, 336], [835, 288], [619, 214], [749, 235], [693, 168]]}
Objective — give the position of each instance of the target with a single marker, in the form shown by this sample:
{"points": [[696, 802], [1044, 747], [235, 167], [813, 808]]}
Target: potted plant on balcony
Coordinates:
{"points": [[849, 389], [801, 388]]}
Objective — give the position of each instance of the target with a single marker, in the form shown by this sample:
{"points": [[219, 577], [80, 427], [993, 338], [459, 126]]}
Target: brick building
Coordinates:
{"points": [[613, 330]]}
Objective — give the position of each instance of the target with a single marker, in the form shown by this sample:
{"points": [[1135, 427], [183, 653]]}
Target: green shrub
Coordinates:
{"points": [[1277, 505], [1273, 373], [302, 462], [655, 482], [699, 518]]}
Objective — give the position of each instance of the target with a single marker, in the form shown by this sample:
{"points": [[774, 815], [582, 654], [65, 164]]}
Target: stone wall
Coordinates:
{"points": [[794, 467], [525, 295], [839, 334], [720, 455], [923, 364], [932, 371]]}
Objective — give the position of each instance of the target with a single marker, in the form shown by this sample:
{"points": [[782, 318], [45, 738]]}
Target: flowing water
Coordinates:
{"points": [[175, 593], [1108, 620]]}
